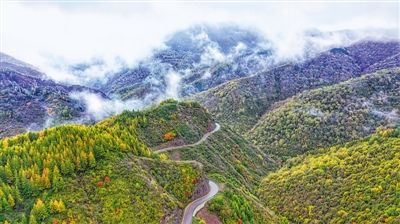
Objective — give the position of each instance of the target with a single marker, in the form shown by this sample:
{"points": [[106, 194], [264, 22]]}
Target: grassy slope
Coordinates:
{"points": [[330, 115], [101, 173], [353, 183]]}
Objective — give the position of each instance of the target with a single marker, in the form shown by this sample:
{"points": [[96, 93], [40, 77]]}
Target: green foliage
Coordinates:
{"points": [[186, 120], [90, 174], [330, 115], [230, 160], [233, 208], [356, 182]]}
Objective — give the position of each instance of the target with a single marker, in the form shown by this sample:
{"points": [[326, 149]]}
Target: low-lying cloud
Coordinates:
{"points": [[107, 36], [99, 108], [63, 33]]}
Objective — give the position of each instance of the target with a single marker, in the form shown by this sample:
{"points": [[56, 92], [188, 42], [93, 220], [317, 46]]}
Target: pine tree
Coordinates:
{"points": [[39, 210], [92, 160], [32, 219], [11, 201], [57, 181]]}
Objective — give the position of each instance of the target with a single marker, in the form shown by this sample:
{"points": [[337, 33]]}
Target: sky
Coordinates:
{"points": [[43, 32]]}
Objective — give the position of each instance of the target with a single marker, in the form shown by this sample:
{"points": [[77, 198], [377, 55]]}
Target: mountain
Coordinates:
{"points": [[98, 173], [240, 103], [197, 58], [8, 63], [234, 162], [330, 115], [352, 183], [225, 157], [30, 101]]}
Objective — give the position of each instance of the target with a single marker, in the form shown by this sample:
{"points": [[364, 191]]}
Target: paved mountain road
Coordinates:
{"points": [[193, 207]]}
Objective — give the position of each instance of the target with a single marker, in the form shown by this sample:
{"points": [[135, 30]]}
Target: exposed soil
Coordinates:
{"points": [[208, 217]]}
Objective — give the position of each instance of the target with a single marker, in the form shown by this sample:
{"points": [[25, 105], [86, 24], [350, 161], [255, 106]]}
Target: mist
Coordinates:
{"points": [[61, 38], [66, 33]]}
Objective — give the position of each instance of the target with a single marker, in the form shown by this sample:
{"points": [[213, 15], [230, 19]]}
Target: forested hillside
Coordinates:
{"points": [[357, 182], [235, 163], [99, 173], [240, 103], [173, 123], [330, 115]]}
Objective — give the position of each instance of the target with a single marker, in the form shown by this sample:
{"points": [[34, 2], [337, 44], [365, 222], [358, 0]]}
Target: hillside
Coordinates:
{"points": [[29, 101], [224, 157], [232, 161], [353, 183], [173, 124], [241, 102], [98, 173], [330, 115]]}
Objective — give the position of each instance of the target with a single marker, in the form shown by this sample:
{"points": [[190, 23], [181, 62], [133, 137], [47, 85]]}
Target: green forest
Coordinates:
{"points": [[330, 115], [357, 182], [97, 173]]}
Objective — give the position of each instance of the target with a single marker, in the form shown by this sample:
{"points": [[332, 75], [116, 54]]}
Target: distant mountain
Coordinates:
{"points": [[30, 101], [197, 58], [8, 63], [240, 103]]}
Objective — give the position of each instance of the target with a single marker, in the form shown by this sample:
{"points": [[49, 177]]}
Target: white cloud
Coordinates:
{"points": [[206, 74], [211, 55], [173, 80], [41, 33]]}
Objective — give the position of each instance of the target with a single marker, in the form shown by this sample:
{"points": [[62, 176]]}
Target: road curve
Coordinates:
{"points": [[205, 136], [195, 206]]}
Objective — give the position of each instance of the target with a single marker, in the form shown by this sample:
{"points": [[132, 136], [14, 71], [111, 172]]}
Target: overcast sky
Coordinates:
{"points": [[35, 32]]}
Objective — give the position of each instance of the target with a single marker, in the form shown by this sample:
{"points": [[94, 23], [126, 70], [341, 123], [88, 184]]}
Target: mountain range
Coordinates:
{"points": [[312, 139]]}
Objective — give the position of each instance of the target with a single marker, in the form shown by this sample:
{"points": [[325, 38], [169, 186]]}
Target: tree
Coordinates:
{"points": [[39, 210], [169, 136], [57, 206], [57, 181], [11, 201], [32, 219]]}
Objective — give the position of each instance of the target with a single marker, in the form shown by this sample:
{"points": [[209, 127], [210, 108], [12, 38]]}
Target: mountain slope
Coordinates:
{"points": [[232, 161], [353, 183], [240, 103], [198, 58], [330, 115], [98, 173], [31, 102], [8, 63], [225, 156]]}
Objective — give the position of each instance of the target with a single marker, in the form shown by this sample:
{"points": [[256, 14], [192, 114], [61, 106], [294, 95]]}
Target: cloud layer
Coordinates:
{"points": [[41, 33]]}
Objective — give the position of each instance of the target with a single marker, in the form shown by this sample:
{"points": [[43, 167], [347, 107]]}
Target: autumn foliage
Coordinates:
{"points": [[169, 136]]}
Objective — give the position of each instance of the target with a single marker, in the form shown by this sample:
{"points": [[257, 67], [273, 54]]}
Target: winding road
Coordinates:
{"points": [[217, 127], [193, 207]]}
